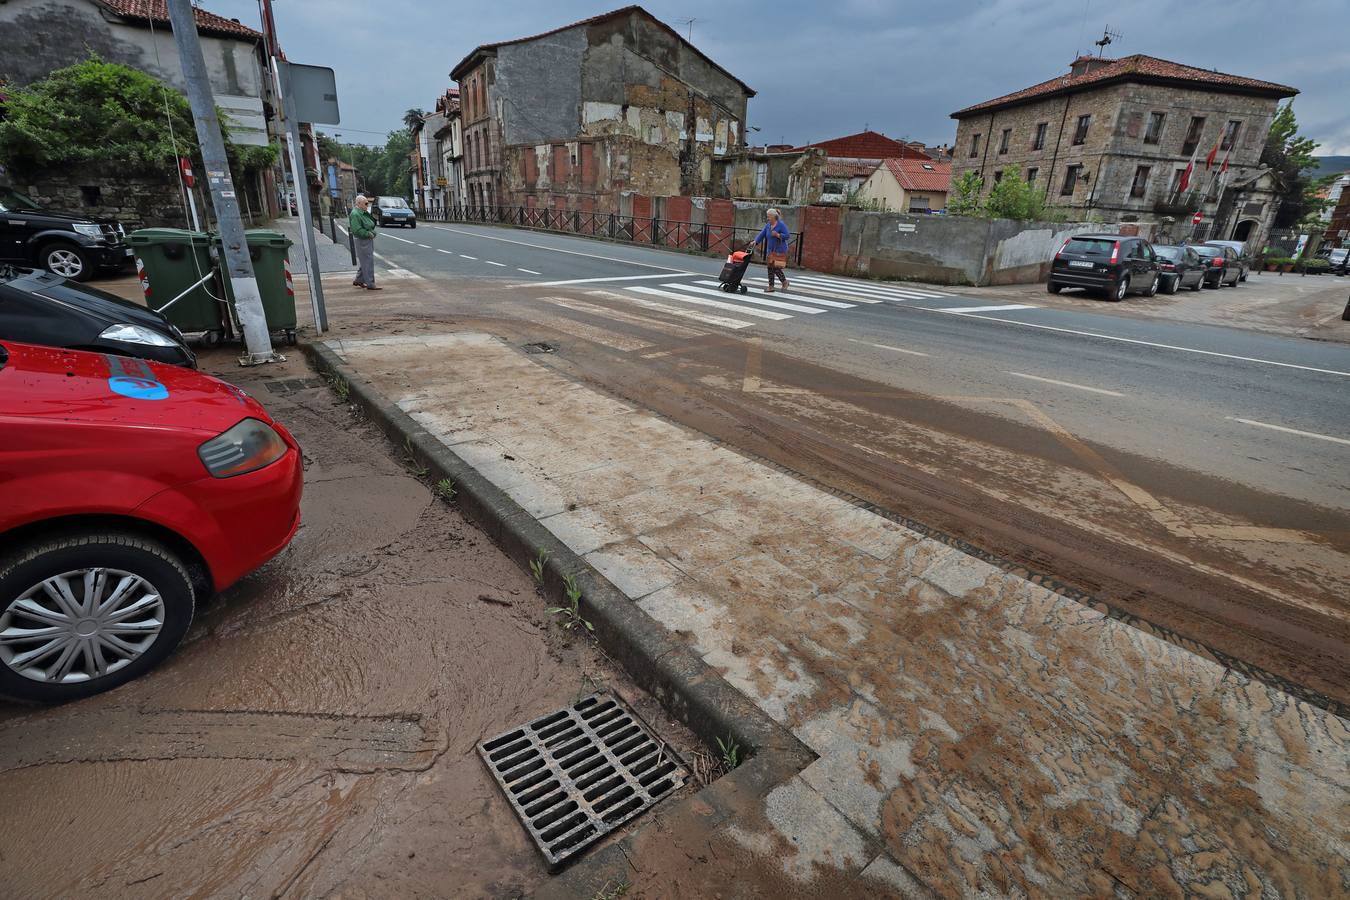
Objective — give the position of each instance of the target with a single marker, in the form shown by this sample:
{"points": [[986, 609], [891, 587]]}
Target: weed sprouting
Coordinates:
{"points": [[571, 614], [537, 566], [731, 753], [446, 488]]}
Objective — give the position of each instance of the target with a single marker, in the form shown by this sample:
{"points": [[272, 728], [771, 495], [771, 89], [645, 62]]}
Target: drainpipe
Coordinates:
{"points": [[1050, 177]]}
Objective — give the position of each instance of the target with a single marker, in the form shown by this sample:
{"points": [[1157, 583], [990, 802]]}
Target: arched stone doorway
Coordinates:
{"points": [[1244, 230]]}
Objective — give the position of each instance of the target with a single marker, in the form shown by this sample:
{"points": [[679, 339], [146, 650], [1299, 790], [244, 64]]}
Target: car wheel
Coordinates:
{"points": [[1052, 288], [1121, 290], [1172, 284], [1199, 283], [82, 613], [66, 260], [744, 289], [1153, 287], [412, 224]]}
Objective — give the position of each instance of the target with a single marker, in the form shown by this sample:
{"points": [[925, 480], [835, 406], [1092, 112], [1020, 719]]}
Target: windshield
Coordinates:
{"points": [[12, 201], [1208, 252], [1172, 253], [392, 203], [1090, 245]]}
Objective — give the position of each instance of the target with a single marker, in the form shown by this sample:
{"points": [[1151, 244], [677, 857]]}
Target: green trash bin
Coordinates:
{"points": [[169, 261], [268, 250]]}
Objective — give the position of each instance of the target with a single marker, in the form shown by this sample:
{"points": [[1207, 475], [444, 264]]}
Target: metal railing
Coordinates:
{"points": [[702, 237]]}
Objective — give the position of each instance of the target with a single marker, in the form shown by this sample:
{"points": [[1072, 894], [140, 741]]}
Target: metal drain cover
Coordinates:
{"points": [[575, 775]]}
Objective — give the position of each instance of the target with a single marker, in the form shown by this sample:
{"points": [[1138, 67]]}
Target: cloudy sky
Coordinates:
{"points": [[897, 67]]}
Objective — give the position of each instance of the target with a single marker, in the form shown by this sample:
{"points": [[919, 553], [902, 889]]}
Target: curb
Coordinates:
{"points": [[686, 687]]}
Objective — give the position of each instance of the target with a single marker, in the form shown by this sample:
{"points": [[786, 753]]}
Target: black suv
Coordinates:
{"points": [[65, 244], [1116, 264]]}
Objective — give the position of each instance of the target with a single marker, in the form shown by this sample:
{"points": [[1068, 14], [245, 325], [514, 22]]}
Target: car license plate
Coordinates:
{"points": [[1080, 264], [130, 252]]}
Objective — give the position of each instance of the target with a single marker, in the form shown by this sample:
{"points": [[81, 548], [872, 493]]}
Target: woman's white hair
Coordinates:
{"points": [[773, 211]]}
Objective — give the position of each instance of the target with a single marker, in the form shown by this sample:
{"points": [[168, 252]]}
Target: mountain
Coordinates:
{"points": [[1331, 165]]}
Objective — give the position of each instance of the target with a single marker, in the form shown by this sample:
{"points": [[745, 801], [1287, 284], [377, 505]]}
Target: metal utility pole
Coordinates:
{"points": [[239, 267]]}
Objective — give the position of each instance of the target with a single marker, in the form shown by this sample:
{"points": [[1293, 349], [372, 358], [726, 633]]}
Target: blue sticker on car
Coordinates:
{"points": [[138, 388]]}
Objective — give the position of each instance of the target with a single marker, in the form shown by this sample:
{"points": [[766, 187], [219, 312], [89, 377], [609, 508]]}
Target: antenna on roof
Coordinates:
{"points": [[1107, 37], [688, 28]]}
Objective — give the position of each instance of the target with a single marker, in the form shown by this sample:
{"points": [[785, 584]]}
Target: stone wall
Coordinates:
{"points": [[137, 201]]}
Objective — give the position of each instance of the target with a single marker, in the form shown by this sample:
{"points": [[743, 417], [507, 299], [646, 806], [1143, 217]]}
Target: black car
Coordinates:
{"points": [[1339, 260], [1116, 264], [1222, 265], [42, 308], [1181, 267], [67, 244], [393, 211]]}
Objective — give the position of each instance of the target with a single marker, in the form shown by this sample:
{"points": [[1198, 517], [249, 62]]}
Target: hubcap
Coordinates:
{"points": [[66, 263], [80, 625]]}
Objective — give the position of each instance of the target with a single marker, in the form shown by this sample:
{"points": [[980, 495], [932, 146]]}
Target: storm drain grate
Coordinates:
{"points": [[575, 775], [541, 347]]}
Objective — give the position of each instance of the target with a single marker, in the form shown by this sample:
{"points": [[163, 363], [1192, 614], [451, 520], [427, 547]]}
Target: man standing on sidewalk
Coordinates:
{"points": [[363, 231]]}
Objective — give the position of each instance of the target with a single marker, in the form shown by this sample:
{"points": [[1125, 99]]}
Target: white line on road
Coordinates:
{"points": [[595, 280], [1068, 384], [833, 304], [491, 263], [1311, 434], [492, 237], [392, 238], [448, 252], [467, 256], [425, 246], [705, 318], [746, 298], [887, 347], [975, 309], [715, 304], [527, 271], [1123, 340]]}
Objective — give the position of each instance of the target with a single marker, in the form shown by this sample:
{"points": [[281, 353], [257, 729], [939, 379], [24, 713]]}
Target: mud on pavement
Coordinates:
{"points": [[315, 733]]}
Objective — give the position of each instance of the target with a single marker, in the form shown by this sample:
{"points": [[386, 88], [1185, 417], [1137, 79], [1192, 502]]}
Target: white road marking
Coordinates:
{"points": [[1068, 384], [491, 263], [392, 238], [467, 256], [595, 280], [878, 286], [493, 237], [448, 252], [874, 290], [526, 271], [835, 304], [608, 337], [1123, 340], [851, 296], [745, 298], [705, 318], [1311, 434], [888, 347], [425, 246], [582, 306], [976, 309], [715, 304]]}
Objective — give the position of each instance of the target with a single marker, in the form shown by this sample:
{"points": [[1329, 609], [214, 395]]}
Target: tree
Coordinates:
{"points": [[1014, 198], [964, 197], [1289, 156], [412, 119]]}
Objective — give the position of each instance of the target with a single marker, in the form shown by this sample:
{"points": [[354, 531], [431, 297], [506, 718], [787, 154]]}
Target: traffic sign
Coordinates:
{"points": [[1197, 218]]}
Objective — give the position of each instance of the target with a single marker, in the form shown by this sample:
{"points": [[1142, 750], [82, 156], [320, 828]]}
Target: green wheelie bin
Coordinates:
{"points": [[169, 262], [268, 250]]}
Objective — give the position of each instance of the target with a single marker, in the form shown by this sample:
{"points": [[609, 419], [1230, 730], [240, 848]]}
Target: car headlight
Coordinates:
{"points": [[247, 447], [88, 230], [135, 334]]}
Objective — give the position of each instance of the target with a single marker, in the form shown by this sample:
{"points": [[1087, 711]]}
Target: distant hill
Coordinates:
{"points": [[1331, 165]]}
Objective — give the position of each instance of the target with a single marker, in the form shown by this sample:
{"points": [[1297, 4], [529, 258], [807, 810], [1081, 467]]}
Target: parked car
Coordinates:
{"points": [[1238, 248], [68, 244], [132, 492], [1181, 267], [41, 308], [1339, 260], [1115, 264], [1222, 265], [394, 211]]}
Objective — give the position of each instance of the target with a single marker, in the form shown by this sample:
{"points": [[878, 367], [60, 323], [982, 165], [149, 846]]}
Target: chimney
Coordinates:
{"points": [[1085, 64]]}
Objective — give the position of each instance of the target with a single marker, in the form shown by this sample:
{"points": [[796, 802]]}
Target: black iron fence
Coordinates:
{"points": [[701, 237]]}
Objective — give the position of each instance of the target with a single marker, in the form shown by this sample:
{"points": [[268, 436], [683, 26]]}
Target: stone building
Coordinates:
{"points": [[820, 172], [574, 118], [1112, 139], [435, 158]]}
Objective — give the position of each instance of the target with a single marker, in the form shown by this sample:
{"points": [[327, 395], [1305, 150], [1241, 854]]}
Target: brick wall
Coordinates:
{"points": [[820, 233]]}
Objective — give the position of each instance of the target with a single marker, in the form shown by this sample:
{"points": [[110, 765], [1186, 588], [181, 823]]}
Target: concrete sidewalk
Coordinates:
{"points": [[977, 733]]}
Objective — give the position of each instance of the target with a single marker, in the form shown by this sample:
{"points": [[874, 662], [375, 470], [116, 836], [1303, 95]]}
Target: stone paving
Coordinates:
{"points": [[978, 734]]}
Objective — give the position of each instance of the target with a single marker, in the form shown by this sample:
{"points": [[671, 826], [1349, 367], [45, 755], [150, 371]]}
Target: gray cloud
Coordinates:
{"points": [[823, 71]]}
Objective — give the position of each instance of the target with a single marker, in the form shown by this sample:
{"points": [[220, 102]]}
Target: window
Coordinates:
{"points": [[1140, 184], [998, 176], [833, 187], [1155, 127], [1071, 176], [1031, 175], [1230, 135], [1003, 140], [1081, 130], [1038, 143], [919, 203], [1193, 134], [1176, 181], [974, 145]]}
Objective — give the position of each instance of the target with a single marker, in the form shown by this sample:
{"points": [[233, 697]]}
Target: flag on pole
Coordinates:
{"points": [[1214, 152], [1184, 184], [1224, 167]]}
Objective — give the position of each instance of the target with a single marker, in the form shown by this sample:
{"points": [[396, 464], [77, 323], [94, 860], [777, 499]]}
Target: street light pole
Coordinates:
{"points": [[239, 267]]}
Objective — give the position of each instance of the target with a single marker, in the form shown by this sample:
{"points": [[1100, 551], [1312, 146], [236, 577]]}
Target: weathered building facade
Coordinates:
{"points": [[577, 117], [1113, 137]]}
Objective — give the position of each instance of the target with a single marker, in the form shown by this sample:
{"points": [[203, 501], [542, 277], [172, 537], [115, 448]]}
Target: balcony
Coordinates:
{"points": [[1185, 206]]}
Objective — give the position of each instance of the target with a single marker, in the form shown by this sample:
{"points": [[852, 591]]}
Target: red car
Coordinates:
{"points": [[131, 489]]}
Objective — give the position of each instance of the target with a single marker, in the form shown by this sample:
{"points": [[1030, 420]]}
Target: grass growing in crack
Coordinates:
{"points": [[571, 614], [612, 893], [537, 566], [418, 469], [446, 488], [731, 753], [340, 387]]}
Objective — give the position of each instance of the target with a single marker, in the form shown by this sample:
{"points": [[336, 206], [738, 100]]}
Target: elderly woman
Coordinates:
{"points": [[774, 236]]}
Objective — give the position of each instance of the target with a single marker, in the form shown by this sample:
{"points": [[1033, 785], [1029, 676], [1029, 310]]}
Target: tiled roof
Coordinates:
{"points": [[921, 175], [1132, 68], [864, 145], [838, 168], [158, 12], [595, 20]]}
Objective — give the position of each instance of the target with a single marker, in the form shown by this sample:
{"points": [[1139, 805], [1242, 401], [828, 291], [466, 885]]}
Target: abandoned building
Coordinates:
{"points": [[1114, 136], [827, 172], [575, 118]]}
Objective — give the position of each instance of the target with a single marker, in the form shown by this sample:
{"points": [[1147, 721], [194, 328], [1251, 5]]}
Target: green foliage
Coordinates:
{"points": [[1015, 198], [380, 171], [964, 197], [571, 614], [855, 199], [731, 753], [1290, 158], [537, 565], [412, 119], [446, 488]]}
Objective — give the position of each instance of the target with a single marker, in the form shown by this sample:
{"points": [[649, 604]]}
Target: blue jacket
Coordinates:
{"points": [[775, 240]]}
